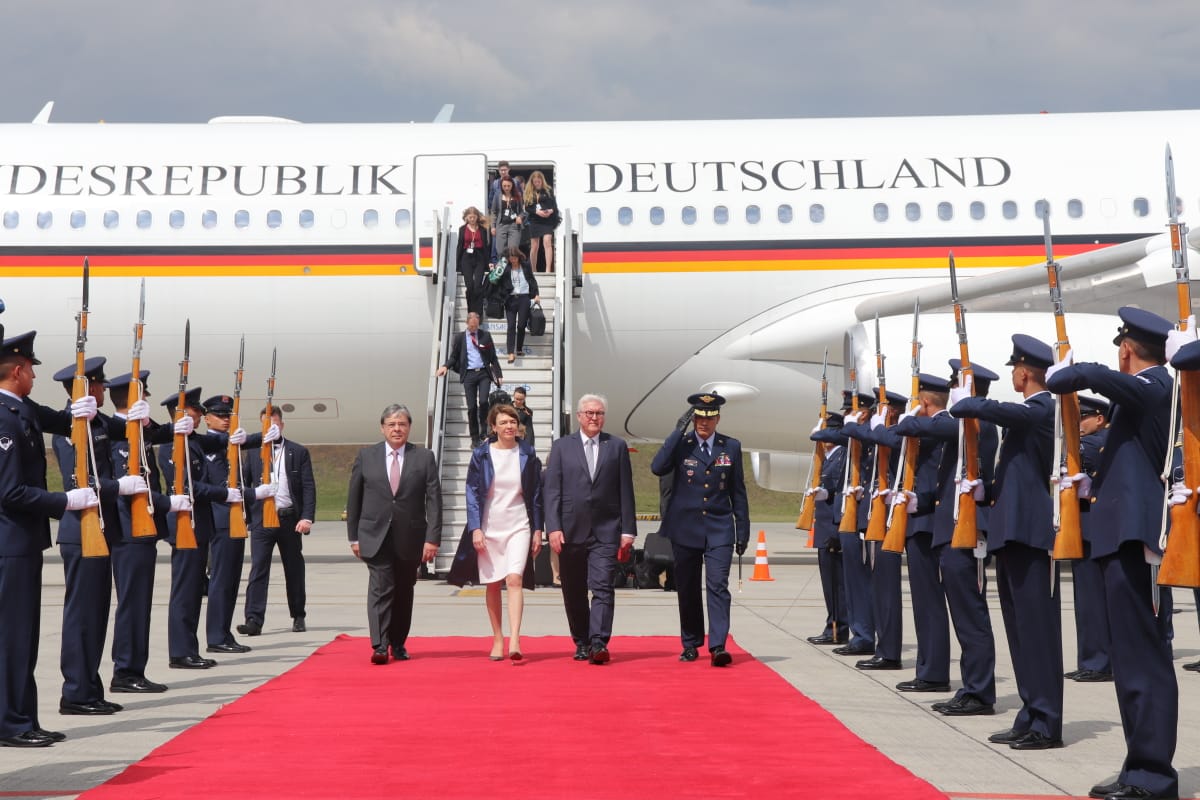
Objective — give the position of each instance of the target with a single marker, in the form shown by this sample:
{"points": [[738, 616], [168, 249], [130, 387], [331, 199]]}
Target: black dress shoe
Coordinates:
{"points": [[919, 685], [135, 685], [53, 736], [1102, 790], [1138, 793], [379, 655], [1092, 676], [878, 662], [720, 657], [191, 662], [689, 654], [1006, 737], [27, 739], [854, 650], [1072, 674], [228, 647], [298, 625], [400, 654], [92, 708], [1035, 741], [966, 706], [581, 652], [114, 706], [824, 638], [598, 654], [250, 628], [1192, 667]]}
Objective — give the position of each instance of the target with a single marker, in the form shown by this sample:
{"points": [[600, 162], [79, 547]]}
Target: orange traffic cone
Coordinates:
{"points": [[761, 571]]}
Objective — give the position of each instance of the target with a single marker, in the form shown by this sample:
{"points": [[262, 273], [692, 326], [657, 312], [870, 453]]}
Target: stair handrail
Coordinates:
{"points": [[443, 313]]}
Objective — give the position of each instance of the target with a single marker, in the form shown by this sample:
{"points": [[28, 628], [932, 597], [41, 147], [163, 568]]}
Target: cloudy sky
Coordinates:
{"points": [[398, 60]]}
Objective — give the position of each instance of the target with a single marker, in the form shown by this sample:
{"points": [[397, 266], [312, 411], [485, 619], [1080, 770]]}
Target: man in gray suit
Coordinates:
{"points": [[588, 491], [394, 523]]}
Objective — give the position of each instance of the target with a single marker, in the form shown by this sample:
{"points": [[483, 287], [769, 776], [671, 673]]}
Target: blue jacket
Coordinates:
{"points": [[25, 504], [828, 512], [708, 506], [481, 474]]}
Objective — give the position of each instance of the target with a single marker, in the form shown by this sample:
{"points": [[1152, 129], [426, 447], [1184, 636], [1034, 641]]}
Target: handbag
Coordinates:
{"points": [[537, 320], [497, 272]]}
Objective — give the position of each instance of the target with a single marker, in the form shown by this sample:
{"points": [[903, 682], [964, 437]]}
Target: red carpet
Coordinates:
{"points": [[452, 724]]}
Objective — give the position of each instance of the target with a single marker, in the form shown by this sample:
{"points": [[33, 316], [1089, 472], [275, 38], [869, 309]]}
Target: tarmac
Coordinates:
{"points": [[770, 619]]}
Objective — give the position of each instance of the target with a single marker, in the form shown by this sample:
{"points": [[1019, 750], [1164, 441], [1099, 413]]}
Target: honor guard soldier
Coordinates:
{"points": [[24, 533], [826, 518], [1091, 618], [134, 557], [1021, 537], [1123, 535], [708, 518]]}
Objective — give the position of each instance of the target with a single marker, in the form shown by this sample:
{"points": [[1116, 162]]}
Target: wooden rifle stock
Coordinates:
{"points": [[1181, 558], [808, 506], [270, 515], [966, 527], [185, 535], [140, 517], [849, 523], [92, 542], [233, 453], [897, 532], [877, 521]]}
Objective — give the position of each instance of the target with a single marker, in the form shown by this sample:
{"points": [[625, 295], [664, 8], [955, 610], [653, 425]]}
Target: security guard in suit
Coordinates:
{"points": [[707, 520], [1123, 538], [1020, 539], [826, 518]]}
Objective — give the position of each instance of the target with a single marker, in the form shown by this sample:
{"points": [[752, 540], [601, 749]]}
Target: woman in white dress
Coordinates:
{"points": [[504, 516]]}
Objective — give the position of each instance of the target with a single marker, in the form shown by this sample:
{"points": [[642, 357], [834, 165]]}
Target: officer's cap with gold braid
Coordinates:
{"points": [[706, 404]]}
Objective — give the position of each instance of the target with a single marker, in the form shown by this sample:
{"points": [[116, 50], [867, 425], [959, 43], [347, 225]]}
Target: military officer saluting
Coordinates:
{"points": [[708, 518]]}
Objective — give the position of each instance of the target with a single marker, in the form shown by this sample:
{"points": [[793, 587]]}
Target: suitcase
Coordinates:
{"points": [[537, 320]]}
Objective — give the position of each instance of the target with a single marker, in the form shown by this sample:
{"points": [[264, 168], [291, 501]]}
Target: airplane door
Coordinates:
{"points": [[444, 181]]}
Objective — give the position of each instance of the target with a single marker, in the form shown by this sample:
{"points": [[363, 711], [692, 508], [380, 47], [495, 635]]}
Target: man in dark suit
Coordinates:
{"points": [[296, 501], [473, 357], [394, 523], [589, 512], [707, 520]]}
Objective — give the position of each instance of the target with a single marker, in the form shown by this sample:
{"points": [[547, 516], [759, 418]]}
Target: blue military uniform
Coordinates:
{"points": [[1127, 508], [1020, 537], [707, 516], [827, 515], [227, 554]]}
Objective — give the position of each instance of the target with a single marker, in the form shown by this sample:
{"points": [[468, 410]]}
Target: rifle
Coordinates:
{"points": [[269, 515], [91, 525], [808, 506], [233, 454], [1181, 551], [966, 531], [897, 531], [878, 519], [141, 510], [849, 523], [185, 536], [1068, 539]]}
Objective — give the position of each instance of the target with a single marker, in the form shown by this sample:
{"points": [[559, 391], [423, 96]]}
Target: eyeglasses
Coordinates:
{"points": [[592, 414]]}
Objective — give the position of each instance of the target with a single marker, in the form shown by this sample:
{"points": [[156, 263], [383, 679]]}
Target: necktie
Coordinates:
{"points": [[704, 449], [394, 471], [591, 457]]}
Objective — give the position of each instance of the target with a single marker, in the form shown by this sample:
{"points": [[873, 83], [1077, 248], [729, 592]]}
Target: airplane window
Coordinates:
{"points": [[624, 215], [720, 215], [1141, 207], [689, 215], [1041, 208], [593, 216], [785, 213], [241, 218], [657, 215], [45, 219], [11, 219], [912, 212], [753, 214], [144, 219], [1009, 209], [306, 218], [176, 219], [1074, 209], [403, 218], [78, 219], [977, 210], [275, 218], [209, 219], [370, 218], [816, 213], [945, 212], [881, 212], [111, 219]]}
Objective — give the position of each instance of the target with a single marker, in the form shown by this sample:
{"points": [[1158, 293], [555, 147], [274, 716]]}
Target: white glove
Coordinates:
{"points": [[181, 502], [879, 420], [1151, 557], [84, 408], [233, 495], [272, 435], [1179, 494], [138, 411], [973, 488], [1061, 364], [960, 392], [904, 416], [185, 425], [270, 489], [1177, 339], [886, 494], [1084, 487], [857, 491], [905, 498], [78, 499], [819, 426], [132, 484], [238, 437]]}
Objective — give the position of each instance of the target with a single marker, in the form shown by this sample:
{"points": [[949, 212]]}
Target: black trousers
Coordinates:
{"points": [[516, 310], [133, 574], [474, 270], [477, 383], [291, 553], [390, 596], [20, 632], [85, 622], [584, 566]]}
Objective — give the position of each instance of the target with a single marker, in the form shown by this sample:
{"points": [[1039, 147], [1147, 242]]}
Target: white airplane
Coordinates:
{"points": [[717, 254]]}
